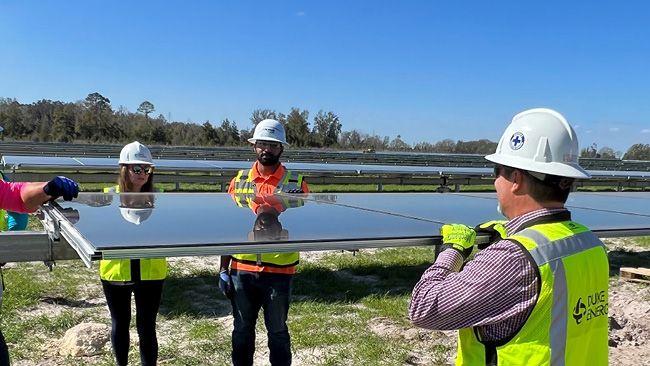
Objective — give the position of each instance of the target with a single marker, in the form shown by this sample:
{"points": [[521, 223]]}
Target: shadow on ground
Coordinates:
{"points": [[623, 258], [197, 296], [353, 283]]}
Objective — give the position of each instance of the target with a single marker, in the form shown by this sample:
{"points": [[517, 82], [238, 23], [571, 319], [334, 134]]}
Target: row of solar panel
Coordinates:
{"points": [[37, 162]]}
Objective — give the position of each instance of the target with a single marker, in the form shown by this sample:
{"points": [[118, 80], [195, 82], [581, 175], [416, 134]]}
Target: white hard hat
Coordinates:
{"points": [[135, 215], [135, 153], [540, 140], [269, 130]]}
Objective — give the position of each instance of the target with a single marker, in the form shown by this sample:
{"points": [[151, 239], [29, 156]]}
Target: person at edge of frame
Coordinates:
{"points": [[143, 278], [25, 197], [537, 295], [254, 281]]}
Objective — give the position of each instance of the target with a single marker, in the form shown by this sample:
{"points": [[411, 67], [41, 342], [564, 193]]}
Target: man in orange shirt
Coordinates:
{"points": [[256, 281]]}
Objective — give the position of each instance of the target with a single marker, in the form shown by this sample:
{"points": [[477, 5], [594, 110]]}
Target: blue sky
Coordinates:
{"points": [[426, 70]]}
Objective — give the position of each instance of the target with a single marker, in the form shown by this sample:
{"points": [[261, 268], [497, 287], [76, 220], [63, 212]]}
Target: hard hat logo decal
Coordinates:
{"points": [[517, 141]]}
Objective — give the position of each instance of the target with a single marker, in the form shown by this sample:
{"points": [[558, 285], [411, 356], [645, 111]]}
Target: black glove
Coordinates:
{"points": [[495, 229], [61, 186], [225, 284]]}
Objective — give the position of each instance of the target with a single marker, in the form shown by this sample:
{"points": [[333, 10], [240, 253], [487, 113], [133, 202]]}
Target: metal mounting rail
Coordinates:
{"points": [[58, 227]]}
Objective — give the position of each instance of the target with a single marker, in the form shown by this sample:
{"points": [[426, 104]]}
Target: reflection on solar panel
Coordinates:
{"points": [[129, 226]]}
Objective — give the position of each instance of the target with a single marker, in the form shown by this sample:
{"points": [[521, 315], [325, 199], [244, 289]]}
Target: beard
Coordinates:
{"points": [[268, 159]]}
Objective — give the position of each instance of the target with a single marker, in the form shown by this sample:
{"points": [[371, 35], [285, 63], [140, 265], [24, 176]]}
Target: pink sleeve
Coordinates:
{"points": [[10, 199]]}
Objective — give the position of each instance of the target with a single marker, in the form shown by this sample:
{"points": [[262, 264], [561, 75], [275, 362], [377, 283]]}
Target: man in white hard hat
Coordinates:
{"points": [[255, 281], [537, 295]]}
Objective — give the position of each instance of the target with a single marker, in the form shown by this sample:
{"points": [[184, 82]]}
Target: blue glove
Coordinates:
{"points": [[61, 186], [225, 284]]}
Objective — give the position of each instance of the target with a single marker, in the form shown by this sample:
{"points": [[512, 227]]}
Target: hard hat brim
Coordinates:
{"points": [[270, 139], [569, 170], [133, 162]]}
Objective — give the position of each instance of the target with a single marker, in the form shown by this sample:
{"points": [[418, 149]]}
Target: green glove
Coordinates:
{"points": [[496, 229], [460, 237]]}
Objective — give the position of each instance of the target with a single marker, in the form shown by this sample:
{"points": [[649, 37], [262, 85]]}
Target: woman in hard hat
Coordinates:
{"points": [[142, 277]]}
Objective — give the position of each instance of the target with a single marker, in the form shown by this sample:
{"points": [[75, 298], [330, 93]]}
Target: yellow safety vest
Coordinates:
{"points": [[568, 324], [244, 186], [244, 182], [120, 269]]}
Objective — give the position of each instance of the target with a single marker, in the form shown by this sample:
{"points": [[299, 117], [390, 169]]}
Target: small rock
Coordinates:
{"points": [[612, 343], [85, 339]]}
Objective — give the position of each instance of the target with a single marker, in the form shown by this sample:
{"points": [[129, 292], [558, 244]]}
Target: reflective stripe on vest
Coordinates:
{"points": [[568, 324], [119, 270], [244, 182]]}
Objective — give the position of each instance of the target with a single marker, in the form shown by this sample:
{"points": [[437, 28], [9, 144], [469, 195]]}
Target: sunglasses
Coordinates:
{"points": [[267, 145], [139, 169]]}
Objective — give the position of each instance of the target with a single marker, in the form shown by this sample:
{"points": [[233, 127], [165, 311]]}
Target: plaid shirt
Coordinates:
{"points": [[496, 291]]}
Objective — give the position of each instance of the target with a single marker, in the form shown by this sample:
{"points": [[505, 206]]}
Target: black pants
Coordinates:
{"points": [[147, 300], [4, 352]]}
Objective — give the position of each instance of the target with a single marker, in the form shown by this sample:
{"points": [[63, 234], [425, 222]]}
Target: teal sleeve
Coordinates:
{"points": [[16, 221]]}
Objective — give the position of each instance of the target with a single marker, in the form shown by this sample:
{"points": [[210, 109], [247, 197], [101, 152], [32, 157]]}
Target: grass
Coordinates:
{"points": [[642, 241]]}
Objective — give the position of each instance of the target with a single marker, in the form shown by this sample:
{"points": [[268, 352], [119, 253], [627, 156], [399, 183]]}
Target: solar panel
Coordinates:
{"points": [[158, 225]]}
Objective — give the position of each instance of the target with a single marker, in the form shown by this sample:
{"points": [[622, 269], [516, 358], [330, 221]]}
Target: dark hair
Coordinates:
{"points": [[551, 189], [125, 183]]}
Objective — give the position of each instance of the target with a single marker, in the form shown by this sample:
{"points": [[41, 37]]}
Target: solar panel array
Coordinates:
{"points": [[293, 154], [81, 163]]}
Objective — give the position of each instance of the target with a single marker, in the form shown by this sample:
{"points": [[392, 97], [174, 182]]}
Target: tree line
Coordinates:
{"points": [[95, 120]]}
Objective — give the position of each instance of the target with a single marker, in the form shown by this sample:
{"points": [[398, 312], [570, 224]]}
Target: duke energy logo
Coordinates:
{"points": [[596, 306], [517, 141]]}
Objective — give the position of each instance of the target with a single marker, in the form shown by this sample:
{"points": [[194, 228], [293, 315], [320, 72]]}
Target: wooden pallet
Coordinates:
{"points": [[635, 274]]}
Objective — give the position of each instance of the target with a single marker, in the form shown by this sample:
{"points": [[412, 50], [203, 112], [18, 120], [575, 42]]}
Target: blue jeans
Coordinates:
{"points": [[253, 291]]}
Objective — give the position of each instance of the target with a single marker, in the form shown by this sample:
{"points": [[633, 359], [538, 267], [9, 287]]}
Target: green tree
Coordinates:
{"points": [[297, 127], [327, 129], [589, 152], [146, 107], [261, 114], [638, 152], [228, 134], [210, 135], [96, 121], [64, 123], [607, 153], [398, 144]]}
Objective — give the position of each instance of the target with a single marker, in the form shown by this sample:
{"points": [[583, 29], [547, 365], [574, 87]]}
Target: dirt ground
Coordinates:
{"points": [[629, 307]]}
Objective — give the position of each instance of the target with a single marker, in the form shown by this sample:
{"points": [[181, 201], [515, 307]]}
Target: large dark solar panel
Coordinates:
{"points": [[116, 226]]}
